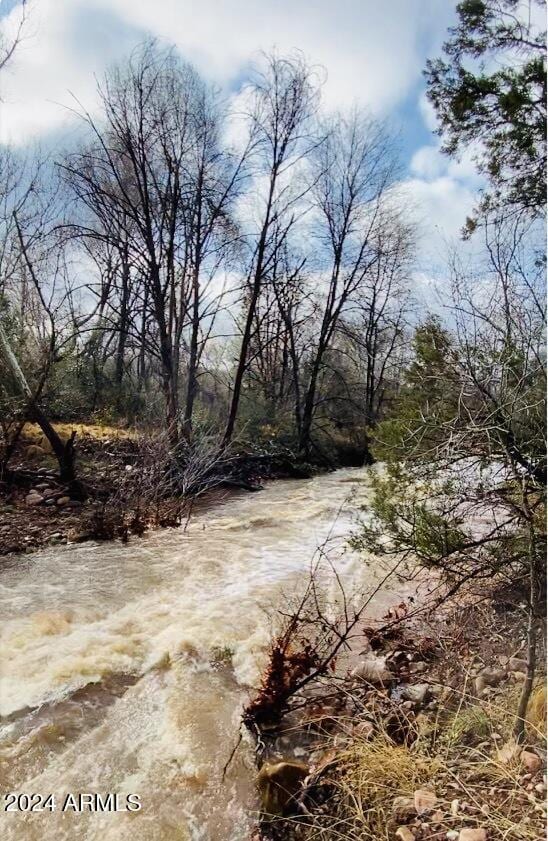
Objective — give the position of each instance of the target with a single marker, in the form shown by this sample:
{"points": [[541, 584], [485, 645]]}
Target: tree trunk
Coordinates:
{"points": [[246, 338], [64, 452], [308, 409], [192, 385], [534, 586], [123, 327]]}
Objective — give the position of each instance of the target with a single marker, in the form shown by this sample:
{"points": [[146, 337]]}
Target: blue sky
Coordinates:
{"points": [[374, 53]]}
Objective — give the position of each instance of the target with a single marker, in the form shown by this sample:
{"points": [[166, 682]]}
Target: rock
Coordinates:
{"points": [[404, 834], [471, 834], [519, 677], [424, 801], [373, 670], [452, 835], [34, 498], [418, 668], [455, 804], [517, 664], [77, 535], [279, 783], [63, 500], [531, 761], [488, 677], [49, 502], [416, 693], [437, 817], [51, 493], [403, 808]]}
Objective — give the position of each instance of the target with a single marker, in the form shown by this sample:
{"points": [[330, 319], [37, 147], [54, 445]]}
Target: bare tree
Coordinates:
{"points": [[283, 100], [354, 169], [157, 185]]}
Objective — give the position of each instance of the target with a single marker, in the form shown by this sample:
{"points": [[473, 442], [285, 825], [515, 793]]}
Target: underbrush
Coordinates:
{"points": [[417, 742], [457, 771]]}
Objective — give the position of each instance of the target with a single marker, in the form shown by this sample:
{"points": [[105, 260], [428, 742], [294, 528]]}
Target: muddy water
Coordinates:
{"points": [[111, 679]]}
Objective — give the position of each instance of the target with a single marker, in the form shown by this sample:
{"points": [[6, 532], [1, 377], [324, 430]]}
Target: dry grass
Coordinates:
{"points": [[458, 758], [32, 434], [373, 773], [536, 711]]}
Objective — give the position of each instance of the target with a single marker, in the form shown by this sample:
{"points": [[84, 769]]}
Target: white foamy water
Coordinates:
{"points": [[106, 680]]}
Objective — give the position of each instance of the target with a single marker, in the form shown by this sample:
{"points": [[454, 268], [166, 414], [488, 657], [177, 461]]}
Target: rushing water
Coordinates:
{"points": [[108, 682]]}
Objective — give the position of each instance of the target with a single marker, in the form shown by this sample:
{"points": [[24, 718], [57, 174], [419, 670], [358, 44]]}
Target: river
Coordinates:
{"points": [[124, 668]]}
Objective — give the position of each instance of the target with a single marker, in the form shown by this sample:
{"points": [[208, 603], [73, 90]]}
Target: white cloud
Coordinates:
{"points": [[373, 53], [440, 207], [427, 162]]}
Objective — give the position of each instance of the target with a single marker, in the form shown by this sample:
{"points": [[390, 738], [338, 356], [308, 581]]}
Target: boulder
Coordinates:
{"points": [[424, 801], [279, 783]]}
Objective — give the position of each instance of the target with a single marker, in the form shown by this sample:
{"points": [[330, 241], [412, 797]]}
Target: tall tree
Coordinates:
{"points": [[156, 184], [354, 169], [489, 93], [283, 98]]}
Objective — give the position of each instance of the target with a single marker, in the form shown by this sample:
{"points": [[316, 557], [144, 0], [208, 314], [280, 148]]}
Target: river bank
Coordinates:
{"points": [[414, 737], [37, 509]]}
